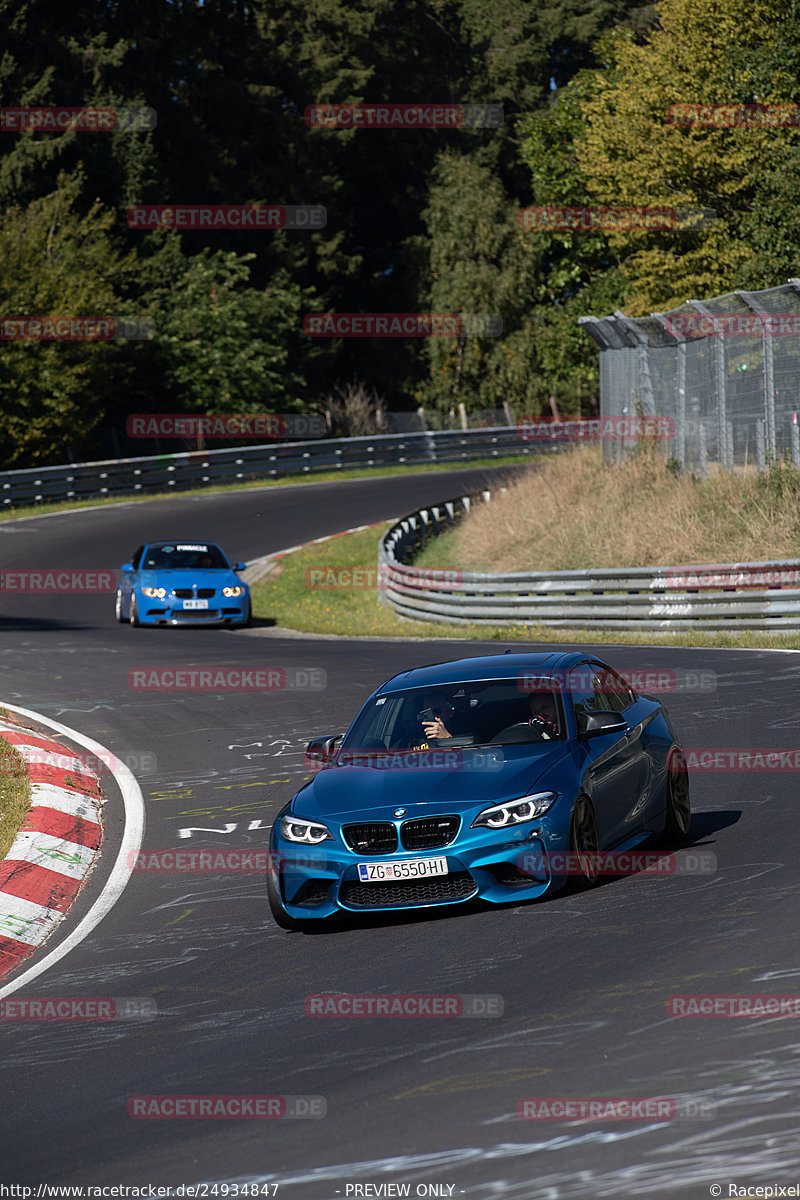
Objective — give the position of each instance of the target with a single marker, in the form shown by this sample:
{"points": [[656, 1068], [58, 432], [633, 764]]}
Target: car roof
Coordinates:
{"points": [[486, 666]]}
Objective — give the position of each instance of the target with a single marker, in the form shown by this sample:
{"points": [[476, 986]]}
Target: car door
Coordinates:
{"points": [[615, 768]]}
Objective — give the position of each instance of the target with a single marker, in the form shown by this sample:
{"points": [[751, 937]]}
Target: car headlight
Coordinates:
{"points": [[154, 593], [233, 591], [516, 812], [310, 833]]}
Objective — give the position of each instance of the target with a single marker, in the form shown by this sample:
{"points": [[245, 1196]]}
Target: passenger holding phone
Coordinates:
{"points": [[437, 719]]}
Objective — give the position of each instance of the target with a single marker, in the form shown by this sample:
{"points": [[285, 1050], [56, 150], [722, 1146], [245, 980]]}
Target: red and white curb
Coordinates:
{"points": [[56, 846]]}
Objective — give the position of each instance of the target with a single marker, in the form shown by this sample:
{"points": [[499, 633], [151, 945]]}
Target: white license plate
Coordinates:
{"points": [[195, 604], [411, 868]]}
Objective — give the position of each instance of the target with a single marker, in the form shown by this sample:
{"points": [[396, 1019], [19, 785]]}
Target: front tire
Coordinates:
{"points": [[584, 843], [248, 621], [118, 607], [134, 617], [678, 819]]}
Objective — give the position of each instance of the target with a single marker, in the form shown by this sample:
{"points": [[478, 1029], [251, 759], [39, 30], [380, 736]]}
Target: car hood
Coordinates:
{"points": [[351, 791]]}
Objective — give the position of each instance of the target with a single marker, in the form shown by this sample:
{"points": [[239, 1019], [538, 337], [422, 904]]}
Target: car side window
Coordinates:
{"points": [[137, 554], [620, 695]]}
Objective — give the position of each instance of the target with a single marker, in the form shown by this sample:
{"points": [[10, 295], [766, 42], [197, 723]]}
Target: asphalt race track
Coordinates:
{"points": [[584, 978]]}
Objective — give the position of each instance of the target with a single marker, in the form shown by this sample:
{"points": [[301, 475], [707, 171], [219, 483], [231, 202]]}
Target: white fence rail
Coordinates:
{"points": [[762, 596]]}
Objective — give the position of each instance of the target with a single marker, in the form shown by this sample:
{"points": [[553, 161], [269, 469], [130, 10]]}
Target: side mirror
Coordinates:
{"points": [[126, 567], [595, 723], [320, 751], [240, 567]]}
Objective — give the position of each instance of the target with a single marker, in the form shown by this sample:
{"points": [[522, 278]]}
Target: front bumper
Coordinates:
{"points": [[232, 612], [317, 883]]}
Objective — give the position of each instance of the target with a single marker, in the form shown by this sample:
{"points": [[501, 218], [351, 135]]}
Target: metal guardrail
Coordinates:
{"points": [[632, 598], [199, 468]]}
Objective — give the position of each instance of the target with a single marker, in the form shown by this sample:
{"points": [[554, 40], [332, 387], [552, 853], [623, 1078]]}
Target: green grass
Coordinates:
{"points": [[285, 598], [15, 795], [10, 513]]}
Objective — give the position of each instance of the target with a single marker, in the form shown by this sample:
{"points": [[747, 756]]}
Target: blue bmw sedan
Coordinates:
{"points": [[182, 583], [497, 778]]}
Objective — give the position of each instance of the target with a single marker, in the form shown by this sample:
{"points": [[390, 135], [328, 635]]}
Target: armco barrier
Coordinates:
{"points": [[634, 598], [199, 468]]}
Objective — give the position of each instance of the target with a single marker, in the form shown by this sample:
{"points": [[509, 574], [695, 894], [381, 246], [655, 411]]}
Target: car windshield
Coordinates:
{"points": [[183, 556], [497, 712]]}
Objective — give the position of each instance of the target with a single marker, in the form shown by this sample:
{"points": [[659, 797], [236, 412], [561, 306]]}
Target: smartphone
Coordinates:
{"points": [[426, 715]]}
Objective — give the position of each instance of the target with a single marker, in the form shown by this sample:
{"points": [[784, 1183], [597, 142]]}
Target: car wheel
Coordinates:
{"points": [[118, 606], [584, 843], [280, 914], [248, 621], [134, 617], [679, 806]]}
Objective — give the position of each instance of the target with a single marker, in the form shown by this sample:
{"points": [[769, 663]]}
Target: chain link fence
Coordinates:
{"points": [[726, 371]]}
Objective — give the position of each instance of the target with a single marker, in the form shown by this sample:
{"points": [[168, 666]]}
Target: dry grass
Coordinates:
{"points": [[15, 795], [573, 511]]}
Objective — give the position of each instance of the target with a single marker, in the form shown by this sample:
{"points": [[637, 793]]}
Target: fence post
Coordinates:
{"points": [[760, 456], [680, 430], [703, 451], [795, 432]]}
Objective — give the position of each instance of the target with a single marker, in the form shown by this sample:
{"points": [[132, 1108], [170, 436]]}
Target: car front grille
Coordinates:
{"points": [[190, 593], [440, 889], [377, 838], [428, 833], [192, 614]]}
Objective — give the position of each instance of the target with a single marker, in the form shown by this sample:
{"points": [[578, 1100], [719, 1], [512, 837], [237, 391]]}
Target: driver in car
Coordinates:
{"points": [[544, 714]]}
